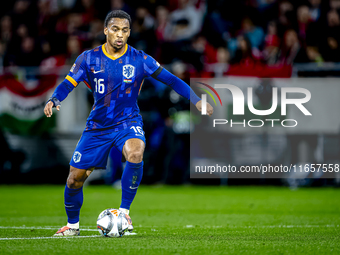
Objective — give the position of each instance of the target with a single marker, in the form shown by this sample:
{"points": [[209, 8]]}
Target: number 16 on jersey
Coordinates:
{"points": [[100, 88]]}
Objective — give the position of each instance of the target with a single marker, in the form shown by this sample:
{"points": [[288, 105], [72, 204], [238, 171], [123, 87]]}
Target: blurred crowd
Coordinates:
{"points": [[190, 36]]}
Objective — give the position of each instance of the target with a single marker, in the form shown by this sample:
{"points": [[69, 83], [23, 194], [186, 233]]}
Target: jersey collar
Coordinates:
{"points": [[109, 56]]}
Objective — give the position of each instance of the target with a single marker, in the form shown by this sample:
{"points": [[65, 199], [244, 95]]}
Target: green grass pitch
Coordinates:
{"points": [[177, 220]]}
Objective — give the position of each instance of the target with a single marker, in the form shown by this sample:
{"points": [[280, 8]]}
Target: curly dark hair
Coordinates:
{"points": [[117, 14]]}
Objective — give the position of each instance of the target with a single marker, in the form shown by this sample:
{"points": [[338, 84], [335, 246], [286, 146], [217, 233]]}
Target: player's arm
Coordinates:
{"points": [[164, 76], [76, 74], [60, 93]]}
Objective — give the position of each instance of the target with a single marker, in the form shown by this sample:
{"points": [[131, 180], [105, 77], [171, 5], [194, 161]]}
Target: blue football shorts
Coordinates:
{"points": [[93, 149]]}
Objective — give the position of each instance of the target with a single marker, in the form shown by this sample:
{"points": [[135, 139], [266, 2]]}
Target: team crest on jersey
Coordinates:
{"points": [[128, 73], [76, 157]]}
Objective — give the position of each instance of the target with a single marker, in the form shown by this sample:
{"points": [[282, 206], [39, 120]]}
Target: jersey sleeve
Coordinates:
{"points": [[150, 65], [176, 83], [75, 75], [78, 73]]}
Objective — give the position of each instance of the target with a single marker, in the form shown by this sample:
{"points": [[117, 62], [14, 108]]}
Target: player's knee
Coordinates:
{"points": [[73, 183], [135, 157]]}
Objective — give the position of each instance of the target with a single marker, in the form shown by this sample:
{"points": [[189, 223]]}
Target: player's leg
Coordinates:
{"points": [[73, 197], [132, 175], [91, 153]]}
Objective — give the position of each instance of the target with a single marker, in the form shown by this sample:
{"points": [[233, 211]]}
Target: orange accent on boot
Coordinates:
{"points": [[62, 230]]}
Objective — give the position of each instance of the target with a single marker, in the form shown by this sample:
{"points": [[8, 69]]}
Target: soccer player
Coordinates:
{"points": [[114, 72]]}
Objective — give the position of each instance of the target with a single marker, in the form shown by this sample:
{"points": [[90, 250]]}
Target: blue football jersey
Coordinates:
{"points": [[115, 84]]}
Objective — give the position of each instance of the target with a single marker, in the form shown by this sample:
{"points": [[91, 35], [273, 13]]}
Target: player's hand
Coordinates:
{"points": [[210, 109], [48, 108]]}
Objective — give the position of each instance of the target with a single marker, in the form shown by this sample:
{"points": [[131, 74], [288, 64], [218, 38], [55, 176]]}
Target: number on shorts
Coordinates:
{"points": [[137, 130]]}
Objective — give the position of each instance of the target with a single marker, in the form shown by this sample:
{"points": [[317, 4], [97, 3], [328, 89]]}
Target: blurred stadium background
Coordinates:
{"points": [[40, 40]]}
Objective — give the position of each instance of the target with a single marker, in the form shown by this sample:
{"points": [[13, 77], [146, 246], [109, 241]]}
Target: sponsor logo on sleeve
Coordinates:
{"points": [[72, 68]]}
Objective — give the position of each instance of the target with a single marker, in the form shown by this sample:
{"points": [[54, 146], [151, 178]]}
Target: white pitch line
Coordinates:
{"points": [[43, 228], [153, 229], [288, 226], [127, 234], [187, 226], [49, 237], [268, 226]]}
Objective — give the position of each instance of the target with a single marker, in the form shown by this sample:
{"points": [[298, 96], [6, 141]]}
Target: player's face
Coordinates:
{"points": [[117, 32]]}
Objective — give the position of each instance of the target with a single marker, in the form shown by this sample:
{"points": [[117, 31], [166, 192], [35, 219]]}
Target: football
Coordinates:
{"points": [[113, 223]]}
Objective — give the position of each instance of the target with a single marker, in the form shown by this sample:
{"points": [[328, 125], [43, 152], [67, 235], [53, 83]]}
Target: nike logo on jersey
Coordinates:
{"points": [[133, 187], [98, 71]]}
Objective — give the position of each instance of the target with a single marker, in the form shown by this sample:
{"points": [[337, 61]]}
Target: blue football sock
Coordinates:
{"points": [[73, 202], [131, 178]]}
